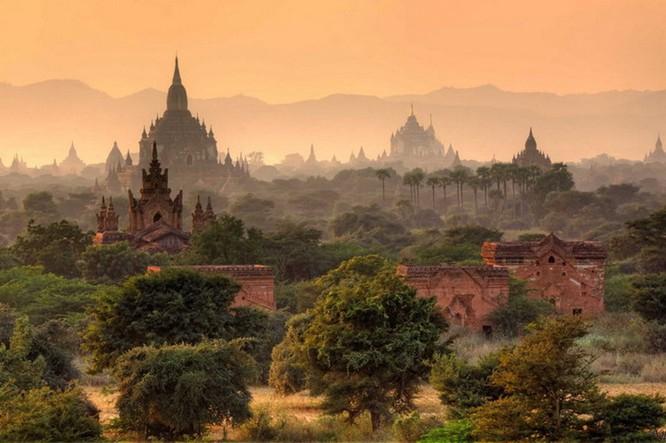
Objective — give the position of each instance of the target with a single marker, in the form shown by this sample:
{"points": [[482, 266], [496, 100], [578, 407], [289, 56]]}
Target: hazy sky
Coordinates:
{"points": [[291, 50]]}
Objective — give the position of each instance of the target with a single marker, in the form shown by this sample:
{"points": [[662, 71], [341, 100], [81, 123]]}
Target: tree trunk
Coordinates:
{"points": [[383, 191], [375, 418], [476, 206]]}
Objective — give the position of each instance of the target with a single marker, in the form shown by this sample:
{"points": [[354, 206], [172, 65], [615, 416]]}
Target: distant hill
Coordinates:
{"points": [[40, 120]]}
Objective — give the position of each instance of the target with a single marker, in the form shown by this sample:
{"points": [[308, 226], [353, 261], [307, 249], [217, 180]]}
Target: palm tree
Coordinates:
{"points": [[444, 181], [459, 176], [485, 180], [408, 179], [418, 176], [383, 174], [474, 182], [433, 182]]}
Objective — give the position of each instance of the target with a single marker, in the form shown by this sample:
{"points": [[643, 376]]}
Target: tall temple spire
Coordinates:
{"points": [[177, 96], [176, 74]]}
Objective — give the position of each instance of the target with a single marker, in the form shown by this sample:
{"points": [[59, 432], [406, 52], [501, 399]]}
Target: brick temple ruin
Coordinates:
{"points": [[568, 274], [465, 294]]}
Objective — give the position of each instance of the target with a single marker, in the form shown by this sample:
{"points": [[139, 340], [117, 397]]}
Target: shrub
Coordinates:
{"points": [[656, 336], [459, 431], [42, 414], [632, 418], [408, 428], [172, 306], [618, 293], [463, 386], [288, 370], [179, 390], [510, 318]]}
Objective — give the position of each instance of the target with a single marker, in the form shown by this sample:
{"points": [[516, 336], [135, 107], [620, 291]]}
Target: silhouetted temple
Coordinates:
{"points": [[185, 145], [531, 155], [413, 143], [658, 155], [155, 220]]}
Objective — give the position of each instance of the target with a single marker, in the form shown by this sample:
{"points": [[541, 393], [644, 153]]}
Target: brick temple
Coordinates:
{"points": [[465, 294], [568, 274]]}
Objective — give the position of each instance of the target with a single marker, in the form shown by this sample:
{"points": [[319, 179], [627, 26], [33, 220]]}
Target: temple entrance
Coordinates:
{"points": [[157, 217]]}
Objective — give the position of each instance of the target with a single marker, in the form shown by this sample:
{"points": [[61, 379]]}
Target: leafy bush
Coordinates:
{"points": [[288, 372], [462, 386], [172, 306], [408, 428], [179, 390], [43, 414], [115, 262], [458, 431], [510, 318], [632, 418], [619, 293], [43, 296]]}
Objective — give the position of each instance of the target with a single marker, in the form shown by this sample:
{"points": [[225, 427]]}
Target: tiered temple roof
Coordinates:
{"points": [[531, 155]]}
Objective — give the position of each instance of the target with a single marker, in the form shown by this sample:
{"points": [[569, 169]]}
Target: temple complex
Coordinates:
{"points": [[465, 294], [568, 274], [415, 145], [658, 155], [154, 217], [256, 282], [531, 155]]}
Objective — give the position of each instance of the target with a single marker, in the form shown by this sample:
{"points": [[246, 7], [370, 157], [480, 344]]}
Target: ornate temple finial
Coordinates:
{"points": [[176, 74], [412, 106], [154, 150], [209, 205], [103, 203], [111, 202]]}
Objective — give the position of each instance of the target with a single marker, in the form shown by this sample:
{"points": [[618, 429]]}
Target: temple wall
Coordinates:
{"points": [[464, 295]]}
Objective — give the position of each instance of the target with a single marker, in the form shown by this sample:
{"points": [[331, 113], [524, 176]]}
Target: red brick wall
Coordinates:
{"points": [[465, 295]]}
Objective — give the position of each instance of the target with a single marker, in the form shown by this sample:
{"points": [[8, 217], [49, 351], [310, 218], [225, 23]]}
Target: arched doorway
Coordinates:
{"points": [[157, 217]]}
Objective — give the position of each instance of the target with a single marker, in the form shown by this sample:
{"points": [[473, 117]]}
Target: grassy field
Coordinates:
{"points": [[305, 409]]}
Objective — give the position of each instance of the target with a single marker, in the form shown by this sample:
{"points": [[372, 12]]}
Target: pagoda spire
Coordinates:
{"points": [[176, 74]]}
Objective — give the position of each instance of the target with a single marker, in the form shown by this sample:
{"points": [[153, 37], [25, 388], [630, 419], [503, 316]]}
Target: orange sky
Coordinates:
{"points": [[283, 51]]}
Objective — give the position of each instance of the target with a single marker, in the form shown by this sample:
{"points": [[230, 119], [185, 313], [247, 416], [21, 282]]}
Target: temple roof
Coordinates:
{"points": [[535, 249], [177, 96]]}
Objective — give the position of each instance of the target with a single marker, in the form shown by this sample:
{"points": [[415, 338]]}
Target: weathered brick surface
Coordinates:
{"points": [[465, 295], [256, 281], [569, 274]]}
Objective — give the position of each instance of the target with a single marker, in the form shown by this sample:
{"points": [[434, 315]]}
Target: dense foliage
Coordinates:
{"points": [[168, 307], [179, 390], [368, 340]]}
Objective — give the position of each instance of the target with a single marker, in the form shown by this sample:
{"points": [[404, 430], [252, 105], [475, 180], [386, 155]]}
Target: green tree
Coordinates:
{"points": [[42, 414], [519, 310], [43, 296], [57, 247], [632, 418], [650, 297], [650, 234], [40, 203], [179, 390], [115, 262], [463, 386], [548, 386], [288, 372], [225, 241], [172, 306], [369, 339]]}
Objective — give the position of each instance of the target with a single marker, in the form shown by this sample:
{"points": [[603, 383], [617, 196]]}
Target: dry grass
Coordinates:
{"points": [[306, 409]]}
